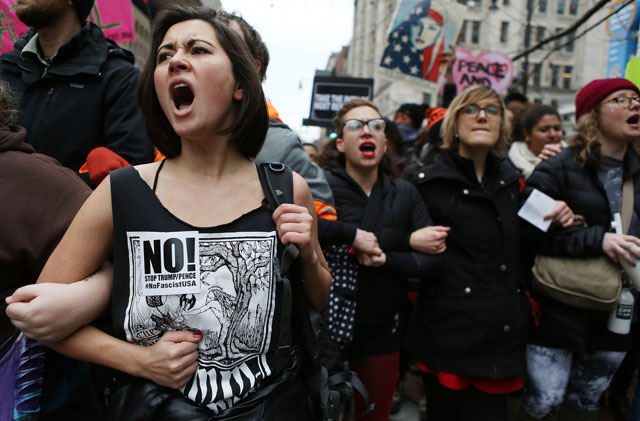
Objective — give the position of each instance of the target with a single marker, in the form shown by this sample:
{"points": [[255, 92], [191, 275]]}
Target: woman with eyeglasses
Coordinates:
{"points": [[541, 130], [359, 171], [471, 321], [572, 356]]}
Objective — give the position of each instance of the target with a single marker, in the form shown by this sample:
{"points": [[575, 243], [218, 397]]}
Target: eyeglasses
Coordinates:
{"points": [[473, 110], [355, 125], [624, 101]]}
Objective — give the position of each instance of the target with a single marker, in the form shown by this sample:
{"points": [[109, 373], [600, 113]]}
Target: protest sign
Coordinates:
{"points": [[489, 68], [114, 17], [622, 31], [330, 93], [420, 33]]}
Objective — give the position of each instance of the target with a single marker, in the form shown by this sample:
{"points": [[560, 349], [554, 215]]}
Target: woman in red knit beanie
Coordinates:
{"points": [[572, 356]]}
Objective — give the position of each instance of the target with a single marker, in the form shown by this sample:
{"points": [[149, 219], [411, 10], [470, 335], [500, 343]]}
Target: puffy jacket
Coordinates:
{"points": [[401, 211], [580, 188], [473, 318], [84, 99]]}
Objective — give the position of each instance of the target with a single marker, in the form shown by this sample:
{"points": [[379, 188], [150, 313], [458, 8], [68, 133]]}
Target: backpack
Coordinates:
{"points": [[329, 381]]}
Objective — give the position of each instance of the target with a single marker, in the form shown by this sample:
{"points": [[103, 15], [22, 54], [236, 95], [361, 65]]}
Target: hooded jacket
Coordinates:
{"points": [[473, 318], [38, 200], [84, 99]]}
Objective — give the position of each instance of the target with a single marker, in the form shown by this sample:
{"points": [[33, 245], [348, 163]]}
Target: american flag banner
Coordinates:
{"points": [[420, 32]]}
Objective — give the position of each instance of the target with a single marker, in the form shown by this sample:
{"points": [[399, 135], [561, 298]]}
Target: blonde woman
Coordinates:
{"points": [[472, 319]]}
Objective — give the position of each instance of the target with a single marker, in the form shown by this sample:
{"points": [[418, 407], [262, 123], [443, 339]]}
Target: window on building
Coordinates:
{"points": [[462, 35], [566, 77], [542, 6], [571, 43], [555, 76], [561, 6], [573, 7], [558, 41], [539, 33], [475, 33], [536, 77], [504, 31]]}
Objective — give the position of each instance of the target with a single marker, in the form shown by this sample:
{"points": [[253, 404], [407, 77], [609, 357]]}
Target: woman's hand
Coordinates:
{"points": [[431, 240], [371, 260], [294, 224], [366, 242], [172, 360], [562, 215], [41, 311], [621, 245], [550, 150]]}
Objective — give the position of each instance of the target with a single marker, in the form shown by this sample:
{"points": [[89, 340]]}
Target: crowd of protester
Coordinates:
{"points": [[429, 197]]}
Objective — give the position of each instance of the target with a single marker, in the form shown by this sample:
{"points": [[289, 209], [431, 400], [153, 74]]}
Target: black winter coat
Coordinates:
{"points": [[84, 99], [561, 325], [473, 319], [381, 290]]}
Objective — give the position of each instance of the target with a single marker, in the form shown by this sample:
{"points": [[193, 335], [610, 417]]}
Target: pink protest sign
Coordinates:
{"points": [[114, 17], [489, 68]]}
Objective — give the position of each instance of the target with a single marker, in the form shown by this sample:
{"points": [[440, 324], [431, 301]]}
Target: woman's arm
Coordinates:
{"points": [[42, 311], [84, 247], [296, 223], [169, 362]]}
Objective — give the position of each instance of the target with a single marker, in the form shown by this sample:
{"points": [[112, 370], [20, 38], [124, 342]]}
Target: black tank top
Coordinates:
{"points": [[220, 281]]}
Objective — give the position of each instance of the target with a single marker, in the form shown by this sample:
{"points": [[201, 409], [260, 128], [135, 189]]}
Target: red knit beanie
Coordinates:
{"points": [[596, 90]]}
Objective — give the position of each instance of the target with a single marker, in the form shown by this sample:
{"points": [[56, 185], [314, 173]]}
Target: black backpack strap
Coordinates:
{"points": [[277, 184]]}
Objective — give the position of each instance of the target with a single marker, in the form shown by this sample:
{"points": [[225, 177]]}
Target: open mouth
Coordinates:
{"points": [[368, 149], [182, 96], [633, 120]]}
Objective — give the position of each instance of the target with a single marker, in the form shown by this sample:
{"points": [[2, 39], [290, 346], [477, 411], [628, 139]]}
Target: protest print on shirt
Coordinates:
{"points": [[420, 33], [232, 304]]}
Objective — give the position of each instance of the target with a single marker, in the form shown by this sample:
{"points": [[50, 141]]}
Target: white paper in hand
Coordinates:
{"points": [[536, 207]]}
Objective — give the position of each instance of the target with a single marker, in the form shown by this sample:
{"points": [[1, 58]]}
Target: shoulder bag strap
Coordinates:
{"points": [[277, 184], [627, 204]]}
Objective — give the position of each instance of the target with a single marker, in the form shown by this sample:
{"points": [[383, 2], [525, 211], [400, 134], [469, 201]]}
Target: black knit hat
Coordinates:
{"points": [[415, 113], [83, 8]]}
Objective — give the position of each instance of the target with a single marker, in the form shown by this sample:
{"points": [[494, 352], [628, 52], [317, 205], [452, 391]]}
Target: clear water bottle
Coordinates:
{"points": [[620, 316]]}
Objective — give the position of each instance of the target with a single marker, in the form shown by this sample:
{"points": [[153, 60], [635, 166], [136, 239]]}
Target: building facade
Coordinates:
{"points": [[494, 25]]}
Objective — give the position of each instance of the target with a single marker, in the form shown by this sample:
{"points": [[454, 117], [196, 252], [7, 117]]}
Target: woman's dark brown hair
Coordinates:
{"points": [[249, 127]]}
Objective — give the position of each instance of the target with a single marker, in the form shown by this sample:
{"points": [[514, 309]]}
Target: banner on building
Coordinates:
{"points": [[621, 29], [420, 32], [330, 92], [489, 68], [114, 17]]}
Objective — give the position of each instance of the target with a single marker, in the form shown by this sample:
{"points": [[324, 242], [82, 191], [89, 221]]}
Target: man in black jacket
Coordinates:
{"points": [[76, 88]]}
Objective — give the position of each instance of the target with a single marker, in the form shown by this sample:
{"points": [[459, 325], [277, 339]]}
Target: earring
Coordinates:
{"points": [[456, 137]]}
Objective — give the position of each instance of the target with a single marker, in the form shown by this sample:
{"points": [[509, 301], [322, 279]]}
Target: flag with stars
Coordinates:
{"points": [[416, 42]]}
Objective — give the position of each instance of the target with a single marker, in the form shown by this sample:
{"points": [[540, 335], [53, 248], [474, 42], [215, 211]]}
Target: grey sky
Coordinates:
{"points": [[300, 35]]}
